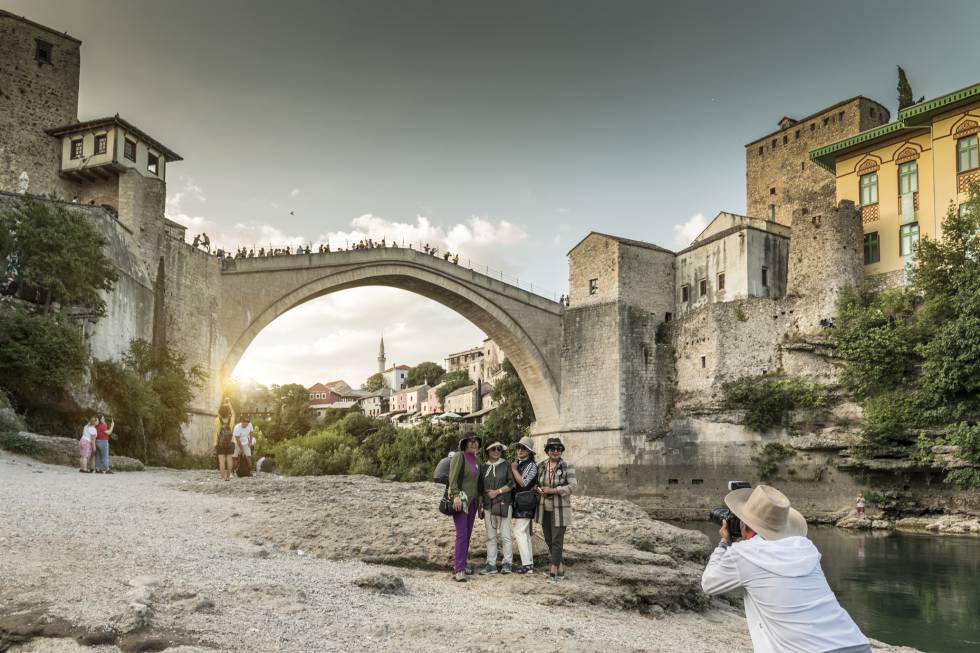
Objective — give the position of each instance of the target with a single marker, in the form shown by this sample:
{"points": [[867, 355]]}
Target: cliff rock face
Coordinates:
{"points": [[64, 451], [616, 555]]}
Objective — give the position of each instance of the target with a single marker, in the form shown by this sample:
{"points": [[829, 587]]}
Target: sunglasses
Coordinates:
{"points": [[550, 449], [495, 449]]}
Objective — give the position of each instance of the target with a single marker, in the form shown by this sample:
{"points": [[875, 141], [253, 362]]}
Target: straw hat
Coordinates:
{"points": [[766, 510], [503, 447], [527, 443]]}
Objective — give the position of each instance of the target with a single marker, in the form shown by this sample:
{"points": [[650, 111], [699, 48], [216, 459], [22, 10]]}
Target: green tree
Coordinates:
{"points": [[514, 414], [58, 250], [452, 381], [428, 373], [904, 90], [913, 354], [150, 392], [38, 354], [375, 382], [291, 414]]}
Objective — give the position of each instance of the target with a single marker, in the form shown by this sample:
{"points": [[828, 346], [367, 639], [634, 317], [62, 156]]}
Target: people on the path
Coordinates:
{"points": [[497, 504], [788, 604], [524, 472], [464, 489], [85, 444], [440, 474], [859, 506], [266, 464], [103, 431], [224, 439], [242, 460], [556, 484]]}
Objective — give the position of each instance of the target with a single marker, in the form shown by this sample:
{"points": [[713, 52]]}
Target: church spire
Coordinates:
{"points": [[381, 354]]}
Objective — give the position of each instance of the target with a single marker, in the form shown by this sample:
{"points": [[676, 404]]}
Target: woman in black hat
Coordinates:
{"points": [[556, 483], [464, 489]]}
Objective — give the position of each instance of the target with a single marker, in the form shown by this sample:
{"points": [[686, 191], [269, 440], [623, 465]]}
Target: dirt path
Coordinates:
{"points": [[132, 559]]}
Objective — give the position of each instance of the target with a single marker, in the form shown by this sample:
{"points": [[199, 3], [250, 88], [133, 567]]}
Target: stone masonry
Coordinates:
{"points": [[35, 96], [778, 170]]}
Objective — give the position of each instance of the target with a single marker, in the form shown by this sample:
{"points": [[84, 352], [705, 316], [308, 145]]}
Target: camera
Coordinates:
{"points": [[723, 514]]}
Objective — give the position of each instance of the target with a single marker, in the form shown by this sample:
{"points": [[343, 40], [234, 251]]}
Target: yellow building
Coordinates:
{"points": [[905, 175]]}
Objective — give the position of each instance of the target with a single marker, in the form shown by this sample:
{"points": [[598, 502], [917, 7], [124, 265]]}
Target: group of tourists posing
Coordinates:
{"points": [[509, 496], [233, 443]]}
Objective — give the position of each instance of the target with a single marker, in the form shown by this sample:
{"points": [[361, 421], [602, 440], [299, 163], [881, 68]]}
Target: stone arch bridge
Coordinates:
{"points": [[251, 293]]}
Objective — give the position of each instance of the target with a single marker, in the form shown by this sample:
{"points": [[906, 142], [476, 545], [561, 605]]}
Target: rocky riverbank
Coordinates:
{"points": [[181, 562]]}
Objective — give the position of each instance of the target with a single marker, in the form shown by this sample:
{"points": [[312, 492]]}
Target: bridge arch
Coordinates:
{"points": [[527, 327]]}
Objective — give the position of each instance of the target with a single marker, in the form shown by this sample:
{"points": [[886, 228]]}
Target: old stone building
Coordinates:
{"points": [[779, 175]]}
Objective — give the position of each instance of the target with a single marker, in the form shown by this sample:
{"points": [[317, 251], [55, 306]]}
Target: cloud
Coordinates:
{"points": [[188, 190], [684, 234], [465, 238], [295, 192]]}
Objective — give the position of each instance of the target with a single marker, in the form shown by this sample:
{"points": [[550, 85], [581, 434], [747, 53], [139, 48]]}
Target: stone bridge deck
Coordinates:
{"points": [[527, 326]]}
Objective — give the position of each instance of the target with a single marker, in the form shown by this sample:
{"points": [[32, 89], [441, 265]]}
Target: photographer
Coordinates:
{"points": [[788, 603]]}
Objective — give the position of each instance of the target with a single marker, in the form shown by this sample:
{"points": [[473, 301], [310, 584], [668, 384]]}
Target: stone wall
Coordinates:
{"points": [[596, 257], [782, 173], [646, 279], [33, 98]]}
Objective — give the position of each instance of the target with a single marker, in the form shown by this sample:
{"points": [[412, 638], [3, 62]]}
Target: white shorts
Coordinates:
{"points": [[243, 450]]}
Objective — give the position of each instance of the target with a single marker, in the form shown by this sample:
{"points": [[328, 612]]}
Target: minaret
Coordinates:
{"points": [[381, 355]]}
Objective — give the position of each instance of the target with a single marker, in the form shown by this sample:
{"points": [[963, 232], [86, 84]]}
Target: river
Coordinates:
{"points": [[902, 588]]}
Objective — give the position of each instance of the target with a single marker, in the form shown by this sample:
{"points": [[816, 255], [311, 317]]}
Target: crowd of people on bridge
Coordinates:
{"points": [[203, 241]]}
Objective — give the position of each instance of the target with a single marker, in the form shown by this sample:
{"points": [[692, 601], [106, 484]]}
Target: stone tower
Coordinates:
{"points": [[381, 355], [39, 67], [779, 175], [825, 256]]}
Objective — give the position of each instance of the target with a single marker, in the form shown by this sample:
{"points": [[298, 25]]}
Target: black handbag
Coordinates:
{"points": [[525, 501], [446, 503]]}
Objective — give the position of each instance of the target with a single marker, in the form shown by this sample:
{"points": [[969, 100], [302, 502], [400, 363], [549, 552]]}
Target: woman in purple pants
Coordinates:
{"points": [[464, 488]]}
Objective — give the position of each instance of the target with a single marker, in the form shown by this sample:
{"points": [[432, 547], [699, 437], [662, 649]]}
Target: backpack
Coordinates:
{"points": [[225, 435]]}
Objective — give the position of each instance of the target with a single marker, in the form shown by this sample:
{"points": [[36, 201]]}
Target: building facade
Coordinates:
{"points": [[779, 175], [395, 376], [376, 403], [907, 174]]}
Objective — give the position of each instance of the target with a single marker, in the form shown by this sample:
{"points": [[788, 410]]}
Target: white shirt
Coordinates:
{"points": [[243, 433], [89, 433], [788, 603]]}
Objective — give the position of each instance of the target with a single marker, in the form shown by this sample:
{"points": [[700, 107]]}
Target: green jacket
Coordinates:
{"points": [[470, 480]]}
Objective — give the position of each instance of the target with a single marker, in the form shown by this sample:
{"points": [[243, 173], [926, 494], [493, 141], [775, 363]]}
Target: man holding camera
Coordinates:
{"points": [[788, 603]]}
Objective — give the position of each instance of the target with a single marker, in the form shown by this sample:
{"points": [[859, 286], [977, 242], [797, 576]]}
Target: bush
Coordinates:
{"points": [[768, 398], [16, 444], [39, 354], [769, 459]]}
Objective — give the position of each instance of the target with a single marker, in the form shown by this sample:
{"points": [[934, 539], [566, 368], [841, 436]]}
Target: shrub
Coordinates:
{"points": [[769, 459], [16, 444], [768, 398]]}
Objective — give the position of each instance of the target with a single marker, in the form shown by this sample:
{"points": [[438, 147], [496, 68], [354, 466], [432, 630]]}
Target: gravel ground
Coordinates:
{"points": [[132, 553]]}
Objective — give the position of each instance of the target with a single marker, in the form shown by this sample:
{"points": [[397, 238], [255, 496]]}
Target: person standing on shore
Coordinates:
{"points": [[497, 504], [85, 444], [788, 604], [556, 483], [464, 489], [103, 431], [859, 506], [524, 471], [243, 447], [224, 445]]}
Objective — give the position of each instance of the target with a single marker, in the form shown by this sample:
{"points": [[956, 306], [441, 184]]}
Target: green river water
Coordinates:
{"points": [[902, 588]]}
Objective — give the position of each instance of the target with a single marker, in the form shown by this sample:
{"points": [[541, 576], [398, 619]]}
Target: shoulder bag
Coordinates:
{"points": [[446, 503]]}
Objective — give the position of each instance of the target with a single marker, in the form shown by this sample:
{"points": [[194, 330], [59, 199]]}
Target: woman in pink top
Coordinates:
{"points": [[85, 445]]}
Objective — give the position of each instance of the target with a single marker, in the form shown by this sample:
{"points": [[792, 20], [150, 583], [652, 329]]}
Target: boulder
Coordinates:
{"points": [[617, 556], [64, 451]]}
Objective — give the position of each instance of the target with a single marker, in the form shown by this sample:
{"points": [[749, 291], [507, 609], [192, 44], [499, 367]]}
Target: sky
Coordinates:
{"points": [[504, 131]]}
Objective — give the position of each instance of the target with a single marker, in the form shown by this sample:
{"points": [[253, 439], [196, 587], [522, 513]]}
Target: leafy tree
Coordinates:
{"points": [[291, 414], [375, 382], [428, 373], [913, 354], [513, 416], [58, 250], [150, 392], [452, 381], [38, 354]]}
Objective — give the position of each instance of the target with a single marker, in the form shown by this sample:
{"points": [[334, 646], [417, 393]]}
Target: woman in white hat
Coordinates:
{"points": [[788, 604], [524, 472], [497, 484]]}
